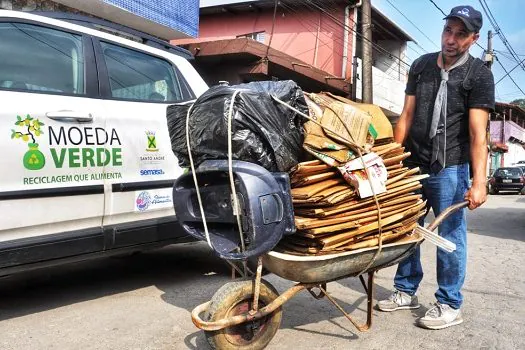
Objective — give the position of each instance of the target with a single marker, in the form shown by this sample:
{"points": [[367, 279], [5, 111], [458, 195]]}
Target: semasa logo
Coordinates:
{"points": [[145, 172]]}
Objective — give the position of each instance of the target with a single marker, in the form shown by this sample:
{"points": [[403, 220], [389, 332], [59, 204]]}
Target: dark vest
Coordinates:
{"points": [[427, 74]]}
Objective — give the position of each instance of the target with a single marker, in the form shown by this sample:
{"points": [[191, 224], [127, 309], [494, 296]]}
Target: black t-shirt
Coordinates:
{"points": [[425, 86]]}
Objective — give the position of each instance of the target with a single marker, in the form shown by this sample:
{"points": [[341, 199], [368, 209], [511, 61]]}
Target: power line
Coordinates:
{"points": [[507, 73], [358, 34], [444, 14], [330, 26], [273, 27], [499, 31], [378, 25], [419, 30]]}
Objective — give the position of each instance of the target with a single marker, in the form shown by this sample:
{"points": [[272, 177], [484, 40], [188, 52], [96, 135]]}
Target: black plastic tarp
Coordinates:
{"points": [[264, 131]]}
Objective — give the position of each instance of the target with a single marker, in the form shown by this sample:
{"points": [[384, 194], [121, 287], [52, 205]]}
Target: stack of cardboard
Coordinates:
{"points": [[330, 214]]}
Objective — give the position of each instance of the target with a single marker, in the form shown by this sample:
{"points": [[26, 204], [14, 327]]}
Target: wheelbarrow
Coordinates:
{"points": [[246, 314]]}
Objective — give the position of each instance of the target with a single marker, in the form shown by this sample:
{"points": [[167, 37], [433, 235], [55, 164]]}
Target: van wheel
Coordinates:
{"points": [[236, 298], [493, 191]]}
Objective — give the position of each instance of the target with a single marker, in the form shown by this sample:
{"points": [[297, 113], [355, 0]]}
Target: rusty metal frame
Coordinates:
{"points": [[247, 317], [369, 289], [256, 314]]}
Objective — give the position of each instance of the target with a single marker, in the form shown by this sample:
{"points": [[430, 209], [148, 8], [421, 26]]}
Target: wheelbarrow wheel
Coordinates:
{"points": [[236, 298]]}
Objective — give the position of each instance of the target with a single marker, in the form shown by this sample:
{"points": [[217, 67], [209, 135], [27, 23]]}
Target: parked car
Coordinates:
{"points": [[87, 166], [507, 179]]}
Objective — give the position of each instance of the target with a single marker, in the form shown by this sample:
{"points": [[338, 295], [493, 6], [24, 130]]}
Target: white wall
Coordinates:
{"points": [[388, 92], [515, 153], [388, 64]]}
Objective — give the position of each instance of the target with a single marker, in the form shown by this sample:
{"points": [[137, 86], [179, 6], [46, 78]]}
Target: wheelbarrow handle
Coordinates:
{"points": [[446, 213]]}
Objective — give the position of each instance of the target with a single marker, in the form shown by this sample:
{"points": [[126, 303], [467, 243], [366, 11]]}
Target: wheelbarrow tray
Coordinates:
{"points": [[326, 268]]}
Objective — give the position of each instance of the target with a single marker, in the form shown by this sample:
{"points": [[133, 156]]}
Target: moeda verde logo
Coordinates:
{"points": [[30, 129], [152, 142], [69, 146]]}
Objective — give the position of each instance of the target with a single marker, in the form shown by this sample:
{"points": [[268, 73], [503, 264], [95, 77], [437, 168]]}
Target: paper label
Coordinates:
{"points": [[355, 174]]}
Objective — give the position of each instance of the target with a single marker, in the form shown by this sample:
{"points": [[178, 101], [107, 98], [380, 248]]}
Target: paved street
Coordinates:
{"points": [[144, 301]]}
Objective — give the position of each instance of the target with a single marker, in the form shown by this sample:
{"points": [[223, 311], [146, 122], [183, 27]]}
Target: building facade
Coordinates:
{"points": [[507, 136], [320, 37]]}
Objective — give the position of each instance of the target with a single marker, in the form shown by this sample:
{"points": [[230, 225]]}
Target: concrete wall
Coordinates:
{"points": [[166, 19], [35, 5]]}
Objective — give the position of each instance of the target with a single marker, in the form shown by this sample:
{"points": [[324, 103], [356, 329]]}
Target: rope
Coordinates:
{"points": [[359, 149], [379, 222], [192, 165], [236, 210], [353, 144], [230, 170]]}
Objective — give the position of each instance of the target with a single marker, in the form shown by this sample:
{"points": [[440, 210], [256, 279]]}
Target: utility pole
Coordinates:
{"points": [[489, 55], [489, 60], [366, 10]]}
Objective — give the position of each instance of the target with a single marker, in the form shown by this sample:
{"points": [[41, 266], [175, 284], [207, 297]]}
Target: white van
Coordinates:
{"points": [[86, 166]]}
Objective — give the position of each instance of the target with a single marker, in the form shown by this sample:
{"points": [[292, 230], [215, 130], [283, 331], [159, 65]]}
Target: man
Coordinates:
{"points": [[449, 95]]}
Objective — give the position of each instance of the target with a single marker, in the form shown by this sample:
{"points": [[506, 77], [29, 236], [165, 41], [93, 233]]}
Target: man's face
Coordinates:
{"points": [[455, 39]]}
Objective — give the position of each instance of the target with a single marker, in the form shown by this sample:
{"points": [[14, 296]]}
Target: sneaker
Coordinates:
{"points": [[440, 316], [398, 301]]}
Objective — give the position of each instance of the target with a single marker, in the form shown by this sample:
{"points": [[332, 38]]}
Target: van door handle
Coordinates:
{"points": [[70, 116]]}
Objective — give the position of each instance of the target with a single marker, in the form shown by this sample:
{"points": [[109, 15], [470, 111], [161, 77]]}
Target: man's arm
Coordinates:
{"points": [[477, 194], [405, 119]]}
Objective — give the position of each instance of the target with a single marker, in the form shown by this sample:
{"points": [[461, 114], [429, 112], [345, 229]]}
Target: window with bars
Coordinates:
{"points": [[257, 36]]}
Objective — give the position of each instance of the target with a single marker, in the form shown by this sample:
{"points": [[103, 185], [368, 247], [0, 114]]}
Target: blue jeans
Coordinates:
{"points": [[442, 190]]}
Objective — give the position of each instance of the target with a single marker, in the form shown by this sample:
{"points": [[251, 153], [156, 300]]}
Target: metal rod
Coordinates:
{"points": [[359, 327], [370, 300], [238, 319], [257, 288], [363, 283], [446, 213]]}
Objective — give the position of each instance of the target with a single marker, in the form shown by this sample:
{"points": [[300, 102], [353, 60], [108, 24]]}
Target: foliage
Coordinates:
{"points": [[31, 125]]}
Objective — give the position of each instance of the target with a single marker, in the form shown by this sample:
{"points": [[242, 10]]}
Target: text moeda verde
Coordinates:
{"points": [[76, 157]]}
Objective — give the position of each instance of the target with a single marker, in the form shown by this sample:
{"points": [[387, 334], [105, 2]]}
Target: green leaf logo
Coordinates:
{"points": [[28, 129]]}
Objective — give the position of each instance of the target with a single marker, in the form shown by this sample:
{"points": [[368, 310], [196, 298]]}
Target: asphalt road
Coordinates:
{"points": [[144, 301]]}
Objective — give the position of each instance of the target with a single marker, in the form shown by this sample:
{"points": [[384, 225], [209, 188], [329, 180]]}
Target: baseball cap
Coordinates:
{"points": [[470, 16]]}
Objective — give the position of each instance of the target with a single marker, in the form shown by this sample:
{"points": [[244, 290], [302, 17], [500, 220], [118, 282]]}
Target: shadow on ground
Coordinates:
{"points": [[510, 225], [187, 274], [40, 290]]}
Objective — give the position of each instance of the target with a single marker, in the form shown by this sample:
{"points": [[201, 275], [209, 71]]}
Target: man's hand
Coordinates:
{"points": [[476, 195]]}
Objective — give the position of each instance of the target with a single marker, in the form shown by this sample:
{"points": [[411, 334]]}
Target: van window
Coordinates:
{"points": [[138, 76], [35, 58]]}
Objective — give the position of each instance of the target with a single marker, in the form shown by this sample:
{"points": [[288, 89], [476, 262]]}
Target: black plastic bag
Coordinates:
{"points": [[264, 131]]}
